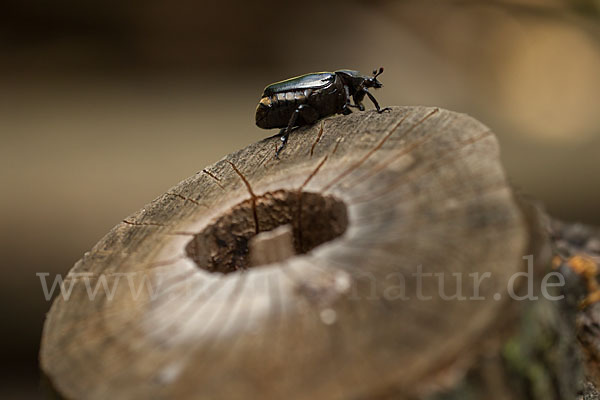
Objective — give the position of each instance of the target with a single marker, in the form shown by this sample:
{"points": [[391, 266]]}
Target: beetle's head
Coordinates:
{"points": [[357, 81], [372, 81]]}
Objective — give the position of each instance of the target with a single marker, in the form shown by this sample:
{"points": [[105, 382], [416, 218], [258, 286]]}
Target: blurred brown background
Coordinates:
{"points": [[106, 104]]}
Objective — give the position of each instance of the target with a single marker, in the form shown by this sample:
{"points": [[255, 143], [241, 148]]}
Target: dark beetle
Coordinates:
{"points": [[305, 99]]}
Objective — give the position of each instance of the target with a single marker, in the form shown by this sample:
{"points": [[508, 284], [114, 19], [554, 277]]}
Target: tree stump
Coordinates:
{"points": [[331, 307]]}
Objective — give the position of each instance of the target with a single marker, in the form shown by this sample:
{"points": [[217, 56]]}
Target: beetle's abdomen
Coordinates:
{"points": [[276, 110]]}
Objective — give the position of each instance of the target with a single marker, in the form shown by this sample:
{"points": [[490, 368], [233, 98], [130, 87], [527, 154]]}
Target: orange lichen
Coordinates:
{"points": [[588, 269]]}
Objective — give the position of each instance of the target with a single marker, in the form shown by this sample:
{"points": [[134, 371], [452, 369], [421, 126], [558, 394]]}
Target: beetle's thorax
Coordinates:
{"points": [[354, 83]]}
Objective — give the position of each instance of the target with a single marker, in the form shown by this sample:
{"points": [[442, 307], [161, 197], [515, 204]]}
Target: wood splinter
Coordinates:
{"points": [[272, 246]]}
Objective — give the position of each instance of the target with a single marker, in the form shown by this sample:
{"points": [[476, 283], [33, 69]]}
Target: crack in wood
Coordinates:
{"points": [[157, 225], [312, 148], [185, 198], [313, 173], [250, 191], [133, 223], [337, 143], [214, 177]]}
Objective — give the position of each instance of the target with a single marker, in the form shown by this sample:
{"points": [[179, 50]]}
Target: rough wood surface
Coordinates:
{"points": [[372, 198], [577, 256]]}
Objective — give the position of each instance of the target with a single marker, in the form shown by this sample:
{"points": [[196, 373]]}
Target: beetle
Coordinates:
{"points": [[307, 98]]}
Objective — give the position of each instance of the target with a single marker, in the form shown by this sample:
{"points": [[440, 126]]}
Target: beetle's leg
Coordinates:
{"points": [[357, 104], [308, 114], [372, 98], [347, 91], [284, 139], [358, 98], [346, 109], [283, 134]]}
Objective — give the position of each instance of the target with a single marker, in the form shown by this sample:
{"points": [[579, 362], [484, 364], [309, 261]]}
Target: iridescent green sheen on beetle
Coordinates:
{"points": [[305, 99]]}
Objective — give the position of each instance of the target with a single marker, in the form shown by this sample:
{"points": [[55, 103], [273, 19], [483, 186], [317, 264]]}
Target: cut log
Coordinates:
{"points": [[393, 281]]}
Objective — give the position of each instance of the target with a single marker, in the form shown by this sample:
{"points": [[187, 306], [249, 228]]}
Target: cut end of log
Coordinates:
{"points": [[353, 210]]}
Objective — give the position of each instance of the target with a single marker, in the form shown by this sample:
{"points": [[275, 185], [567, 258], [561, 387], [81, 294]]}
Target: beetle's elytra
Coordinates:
{"points": [[305, 99]]}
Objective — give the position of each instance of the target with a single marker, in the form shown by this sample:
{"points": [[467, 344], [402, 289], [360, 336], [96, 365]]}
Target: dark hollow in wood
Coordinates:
{"points": [[223, 245]]}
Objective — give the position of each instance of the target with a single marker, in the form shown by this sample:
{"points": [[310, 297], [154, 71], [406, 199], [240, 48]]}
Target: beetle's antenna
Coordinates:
{"points": [[377, 73]]}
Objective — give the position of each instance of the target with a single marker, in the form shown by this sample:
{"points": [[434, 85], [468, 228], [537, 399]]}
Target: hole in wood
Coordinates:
{"points": [[223, 245]]}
